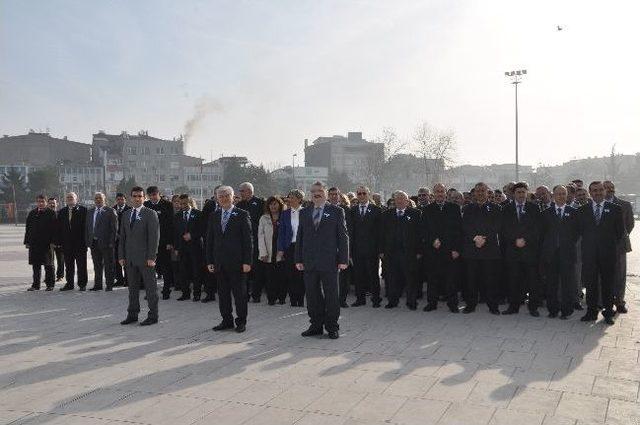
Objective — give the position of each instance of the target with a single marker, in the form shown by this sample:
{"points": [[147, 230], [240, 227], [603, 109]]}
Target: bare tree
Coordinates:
{"points": [[436, 147], [613, 165], [393, 145], [375, 165]]}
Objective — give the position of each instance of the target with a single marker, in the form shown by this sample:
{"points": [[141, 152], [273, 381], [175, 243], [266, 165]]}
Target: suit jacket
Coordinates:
{"points": [[71, 234], [629, 221], [365, 231], [39, 235], [559, 236], [285, 230], [444, 224], [528, 227], [120, 214], [322, 249], [600, 241], [139, 242], [484, 220], [401, 236], [255, 208], [233, 247], [106, 227], [194, 226], [164, 210]]}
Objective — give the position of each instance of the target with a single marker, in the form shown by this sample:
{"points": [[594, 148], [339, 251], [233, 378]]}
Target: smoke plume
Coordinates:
{"points": [[204, 107]]}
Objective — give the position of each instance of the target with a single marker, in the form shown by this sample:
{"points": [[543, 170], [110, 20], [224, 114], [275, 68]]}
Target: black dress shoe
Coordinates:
{"points": [[510, 311], [494, 311], [196, 298], [166, 296], [333, 334], [108, 289], [184, 297], [468, 310], [49, 288], [208, 298], [622, 309], [564, 316], [67, 288], [255, 300], [534, 313], [376, 304], [454, 309], [609, 320], [223, 326], [33, 288], [241, 328], [430, 307], [589, 317], [271, 302], [312, 332], [343, 304], [129, 320], [96, 288], [412, 307], [82, 288], [578, 306], [148, 321], [358, 303], [552, 315], [281, 302]]}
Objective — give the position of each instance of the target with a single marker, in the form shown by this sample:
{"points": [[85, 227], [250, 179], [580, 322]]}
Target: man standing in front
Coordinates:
{"points": [[229, 254], [600, 224], [322, 250], [620, 285], [164, 211], [38, 239], [139, 238], [102, 225], [188, 243], [71, 236]]}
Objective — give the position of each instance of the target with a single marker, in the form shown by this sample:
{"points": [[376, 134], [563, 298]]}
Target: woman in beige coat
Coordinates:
{"points": [[275, 281]]}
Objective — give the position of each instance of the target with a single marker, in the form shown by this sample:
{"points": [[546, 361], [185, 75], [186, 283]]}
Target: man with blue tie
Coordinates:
{"points": [[322, 249], [559, 253], [188, 244], [229, 253], [102, 225], [601, 227]]}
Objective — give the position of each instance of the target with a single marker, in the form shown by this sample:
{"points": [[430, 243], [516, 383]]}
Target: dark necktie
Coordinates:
{"points": [[598, 214], [559, 213], [316, 217], [134, 217], [519, 211], [225, 220], [362, 211]]}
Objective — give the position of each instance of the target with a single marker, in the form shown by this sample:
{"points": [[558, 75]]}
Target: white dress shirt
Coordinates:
{"points": [[295, 220]]}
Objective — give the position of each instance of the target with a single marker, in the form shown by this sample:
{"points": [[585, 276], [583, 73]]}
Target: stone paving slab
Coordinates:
{"points": [[65, 359]]}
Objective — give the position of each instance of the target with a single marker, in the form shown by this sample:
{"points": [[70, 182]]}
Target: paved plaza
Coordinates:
{"points": [[65, 359]]}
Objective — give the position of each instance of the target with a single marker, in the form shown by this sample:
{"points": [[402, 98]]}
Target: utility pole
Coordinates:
{"points": [[516, 78]]}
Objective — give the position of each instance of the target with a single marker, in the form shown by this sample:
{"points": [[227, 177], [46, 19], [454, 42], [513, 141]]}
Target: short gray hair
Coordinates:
{"points": [[246, 185], [400, 193], [75, 195], [224, 189]]}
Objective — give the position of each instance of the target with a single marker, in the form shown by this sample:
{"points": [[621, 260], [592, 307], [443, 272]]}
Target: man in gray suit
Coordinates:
{"points": [[102, 224], [322, 251], [138, 249], [620, 284]]}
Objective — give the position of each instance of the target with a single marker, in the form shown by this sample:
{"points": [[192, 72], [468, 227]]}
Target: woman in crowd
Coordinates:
{"points": [[268, 228]]}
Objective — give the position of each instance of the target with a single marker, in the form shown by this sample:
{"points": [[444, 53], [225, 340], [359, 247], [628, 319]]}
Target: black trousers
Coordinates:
{"points": [[120, 273], [73, 258], [344, 282], [366, 276], [481, 272], [275, 281], [146, 275], [401, 275], [59, 263], [49, 275], [191, 271], [102, 263], [561, 285], [443, 277], [163, 266], [323, 303], [523, 279], [295, 280], [232, 282], [601, 275], [257, 278]]}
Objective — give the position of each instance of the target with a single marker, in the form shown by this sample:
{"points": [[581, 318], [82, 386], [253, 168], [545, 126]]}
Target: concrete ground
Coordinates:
{"points": [[65, 359]]}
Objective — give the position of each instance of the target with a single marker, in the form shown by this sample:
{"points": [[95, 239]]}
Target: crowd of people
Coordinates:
{"points": [[514, 247]]}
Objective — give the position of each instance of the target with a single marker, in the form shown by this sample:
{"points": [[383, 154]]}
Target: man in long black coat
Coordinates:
{"points": [[188, 243], [120, 207], [71, 236], [165, 212], [39, 239]]}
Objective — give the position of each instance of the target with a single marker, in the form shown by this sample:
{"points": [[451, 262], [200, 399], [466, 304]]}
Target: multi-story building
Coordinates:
{"points": [[41, 149], [200, 180], [353, 156], [408, 172], [302, 178]]}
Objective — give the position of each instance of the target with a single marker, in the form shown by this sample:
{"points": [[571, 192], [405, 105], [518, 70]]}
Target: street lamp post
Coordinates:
{"points": [[293, 170], [516, 78]]}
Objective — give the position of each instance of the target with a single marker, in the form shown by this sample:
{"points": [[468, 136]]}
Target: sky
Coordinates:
{"points": [[256, 78]]}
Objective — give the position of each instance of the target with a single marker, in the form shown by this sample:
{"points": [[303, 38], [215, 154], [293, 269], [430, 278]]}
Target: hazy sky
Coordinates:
{"points": [[265, 75]]}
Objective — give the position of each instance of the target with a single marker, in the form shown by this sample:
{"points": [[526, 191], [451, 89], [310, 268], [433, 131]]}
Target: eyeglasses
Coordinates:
{"points": [[362, 193]]}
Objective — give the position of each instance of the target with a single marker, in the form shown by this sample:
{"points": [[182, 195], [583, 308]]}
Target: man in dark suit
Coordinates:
{"points": [[620, 285], [71, 236], [139, 238], [38, 239], [334, 197], [188, 244], [521, 235], [255, 207], [559, 233], [441, 232], [322, 250], [120, 207], [102, 225], [481, 222], [602, 229], [210, 284], [401, 248], [164, 210], [364, 242], [52, 204], [287, 234], [230, 255]]}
